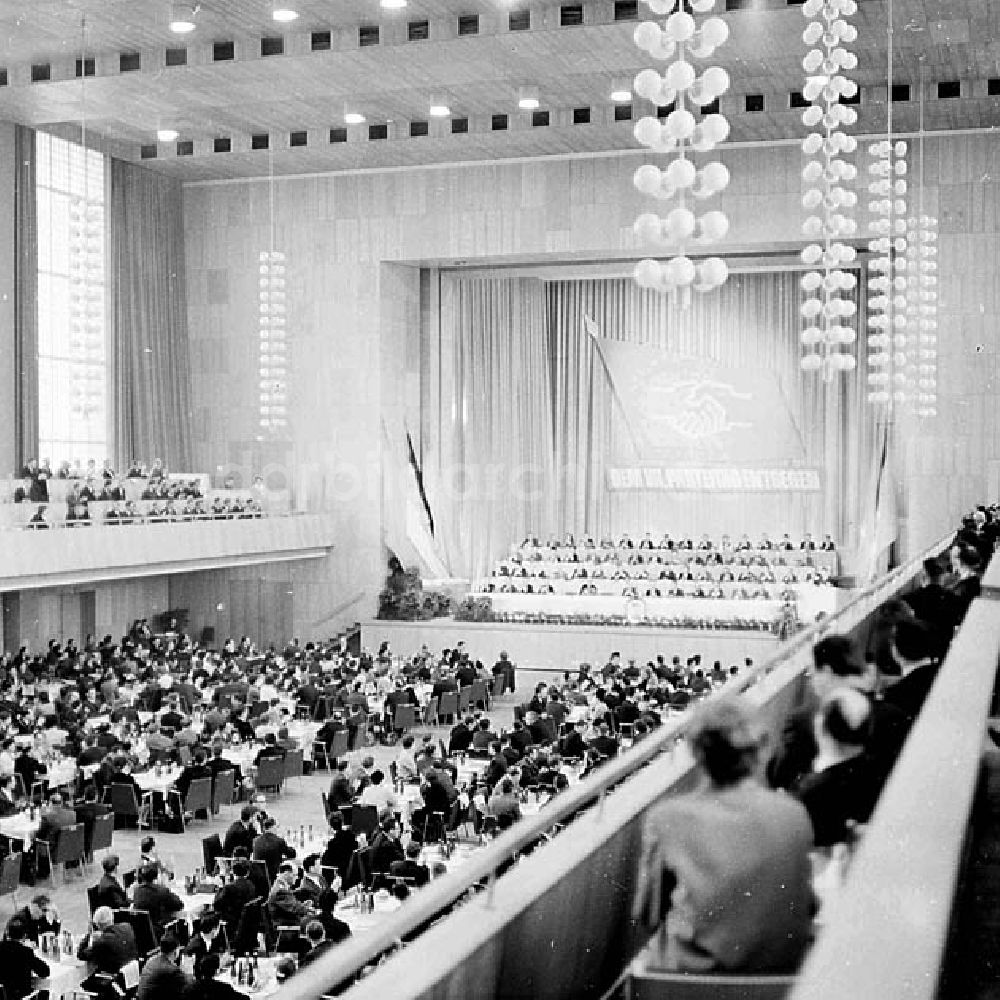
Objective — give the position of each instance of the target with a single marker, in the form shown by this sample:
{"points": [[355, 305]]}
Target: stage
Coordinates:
{"points": [[560, 647]]}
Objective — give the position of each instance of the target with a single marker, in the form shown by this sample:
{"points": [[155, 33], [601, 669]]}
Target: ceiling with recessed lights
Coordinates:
{"points": [[247, 94]]}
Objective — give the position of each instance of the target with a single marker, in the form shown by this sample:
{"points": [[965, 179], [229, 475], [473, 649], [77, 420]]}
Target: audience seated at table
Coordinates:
{"points": [[109, 946], [19, 965]]}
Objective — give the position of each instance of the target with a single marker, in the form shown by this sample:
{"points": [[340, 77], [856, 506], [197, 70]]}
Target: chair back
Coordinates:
{"points": [[123, 800], [129, 879], [249, 926], [142, 926], [223, 789], [10, 873], [448, 705], [405, 717], [340, 744], [199, 796], [70, 846], [211, 849], [326, 804], [479, 694], [259, 874], [270, 773], [92, 897], [364, 819], [184, 755], [431, 712], [294, 764], [645, 984], [103, 833], [464, 699], [360, 723]]}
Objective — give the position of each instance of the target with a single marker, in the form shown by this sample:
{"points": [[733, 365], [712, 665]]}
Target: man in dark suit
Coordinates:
{"points": [[520, 739], [913, 648], [198, 768], [37, 918], [340, 847], [241, 833], [207, 940], [284, 908], [483, 736], [270, 749], [966, 588], [162, 978], [54, 819], [271, 848], [460, 738], [410, 867], [109, 946], [541, 728], [604, 743], [110, 892], [234, 896], [28, 768], [18, 964], [158, 901]]}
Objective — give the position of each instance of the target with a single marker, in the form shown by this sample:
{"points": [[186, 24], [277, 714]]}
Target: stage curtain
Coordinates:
{"points": [[493, 483], [150, 370], [25, 297], [754, 320]]}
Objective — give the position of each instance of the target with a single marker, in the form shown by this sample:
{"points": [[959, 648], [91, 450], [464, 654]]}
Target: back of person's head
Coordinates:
{"points": [[407, 742], [248, 812], [104, 917], [377, 777], [110, 863], [840, 655], [913, 640], [147, 844], [401, 891], [845, 715], [169, 944], [241, 868], [315, 932], [413, 850], [724, 740], [16, 929], [336, 821], [934, 569], [506, 786], [207, 967], [968, 557], [148, 873]]}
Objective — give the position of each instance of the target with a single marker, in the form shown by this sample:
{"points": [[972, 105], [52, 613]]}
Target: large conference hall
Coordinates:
{"points": [[498, 499]]}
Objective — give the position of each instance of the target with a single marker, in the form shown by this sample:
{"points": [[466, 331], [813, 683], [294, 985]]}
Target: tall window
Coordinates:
{"points": [[72, 350]]}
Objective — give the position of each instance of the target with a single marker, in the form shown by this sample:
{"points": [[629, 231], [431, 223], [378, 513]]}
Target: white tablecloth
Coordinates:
{"points": [[19, 827], [638, 610], [150, 781]]}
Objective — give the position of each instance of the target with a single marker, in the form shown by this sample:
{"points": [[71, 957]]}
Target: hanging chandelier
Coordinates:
{"points": [[828, 305], [681, 185], [273, 329]]}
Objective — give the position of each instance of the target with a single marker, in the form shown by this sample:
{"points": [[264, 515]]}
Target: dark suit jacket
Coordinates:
{"points": [[18, 965], [237, 836], [109, 950], [159, 902], [162, 980], [838, 795], [110, 893], [908, 695], [339, 850], [272, 850], [232, 898], [410, 869]]}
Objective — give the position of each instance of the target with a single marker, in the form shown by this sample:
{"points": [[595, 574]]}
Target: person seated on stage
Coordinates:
{"points": [[807, 544], [704, 543], [668, 574], [666, 542], [765, 543], [726, 544], [744, 544], [686, 544], [785, 545], [738, 903], [653, 592], [37, 521], [569, 542], [827, 544], [647, 541], [598, 573]]}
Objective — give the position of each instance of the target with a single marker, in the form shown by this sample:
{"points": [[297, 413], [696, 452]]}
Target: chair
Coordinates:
{"points": [[340, 745], [184, 755], [102, 835], [359, 722], [180, 929], [431, 712], [294, 764], [359, 869], [260, 876], [646, 984], [479, 695], [92, 897], [464, 699], [199, 798], [405, 717], [270, 774], [223, 789], [142, 926], [129, 879], [364, 819], [249, 928], [320, 755], [125, 806], [211, 850], [10, 876], [68, 848], [448, 706]]}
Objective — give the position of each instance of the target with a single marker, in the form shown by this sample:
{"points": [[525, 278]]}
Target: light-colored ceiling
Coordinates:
{"points": [[478, 76]]}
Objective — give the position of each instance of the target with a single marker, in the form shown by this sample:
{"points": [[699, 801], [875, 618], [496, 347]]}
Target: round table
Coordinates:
{"points": [[150, 781], [20, 827]]}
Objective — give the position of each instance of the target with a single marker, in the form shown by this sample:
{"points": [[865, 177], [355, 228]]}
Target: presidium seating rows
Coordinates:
{"points": [[666, 583]]}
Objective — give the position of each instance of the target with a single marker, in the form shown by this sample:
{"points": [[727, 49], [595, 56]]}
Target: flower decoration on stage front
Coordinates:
{"points": [[892, 376], [681, 184], [828, 305]]}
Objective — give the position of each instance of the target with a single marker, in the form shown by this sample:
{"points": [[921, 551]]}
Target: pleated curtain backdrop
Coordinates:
{"points": [[494, 482], [150, 360], [752, 320], [25, 297], [530, 391]]}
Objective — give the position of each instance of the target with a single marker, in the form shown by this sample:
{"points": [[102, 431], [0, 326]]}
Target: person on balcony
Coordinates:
{"points": [[724, 869]]}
